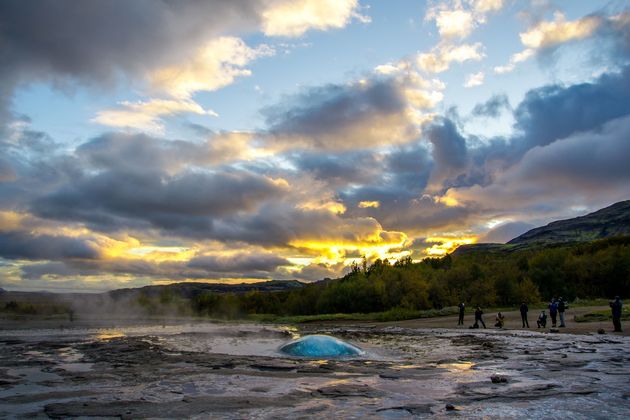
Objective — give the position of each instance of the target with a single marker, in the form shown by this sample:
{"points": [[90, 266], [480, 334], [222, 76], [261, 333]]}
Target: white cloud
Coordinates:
{"points": [[146, 115], [475, 79], [486, 6], [549, 34], [215, 65], [295, 17], [454, 23], [559, 31], [457, 19], [440, 58], [514, 60]]}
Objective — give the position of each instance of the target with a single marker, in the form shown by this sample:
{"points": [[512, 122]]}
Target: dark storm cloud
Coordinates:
{"points": [[587, 168], [554, 112], [185, 203], [339, 117], [94, 42], [450, 153], [238, 263], [546, 115], [6, 171], [24, 245], [140, 152], [249, 265], [492, 107], [92, 39], [340, 168]]}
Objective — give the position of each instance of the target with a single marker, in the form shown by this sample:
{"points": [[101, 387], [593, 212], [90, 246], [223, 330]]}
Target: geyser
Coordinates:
{"points": [[320, 346]]}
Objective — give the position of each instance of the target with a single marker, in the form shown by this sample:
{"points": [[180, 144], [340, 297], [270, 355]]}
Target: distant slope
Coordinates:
{"points": [[607, 222], [189, 290]]}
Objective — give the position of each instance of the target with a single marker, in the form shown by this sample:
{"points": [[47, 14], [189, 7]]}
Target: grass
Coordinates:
{"points": [[400, 314], [603, 315], [395, 314]]}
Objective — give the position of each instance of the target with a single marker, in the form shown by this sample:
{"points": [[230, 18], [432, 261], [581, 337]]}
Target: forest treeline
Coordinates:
{"points": [[599, 269]]}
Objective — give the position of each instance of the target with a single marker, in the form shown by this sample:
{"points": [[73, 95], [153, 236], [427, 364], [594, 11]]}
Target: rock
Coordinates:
{"points": [[450, 407], [498, 379], [554, 330], [601, 331]]}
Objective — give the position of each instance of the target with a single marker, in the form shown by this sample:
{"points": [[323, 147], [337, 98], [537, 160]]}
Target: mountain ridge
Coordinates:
{"points": [[610, 221]]}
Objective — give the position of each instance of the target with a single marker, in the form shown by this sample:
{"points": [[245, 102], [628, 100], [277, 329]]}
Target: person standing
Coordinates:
{"points": [[478, 318], [462, 309], [616, 307], [562, 306], [524, 310], [553, 312]]}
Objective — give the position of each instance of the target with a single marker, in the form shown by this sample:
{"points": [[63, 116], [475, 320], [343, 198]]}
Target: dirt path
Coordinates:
{"points": [[513, 322]]}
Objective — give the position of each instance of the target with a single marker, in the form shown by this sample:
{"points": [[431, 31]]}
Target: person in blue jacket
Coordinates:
{"points": [[553, 312]]}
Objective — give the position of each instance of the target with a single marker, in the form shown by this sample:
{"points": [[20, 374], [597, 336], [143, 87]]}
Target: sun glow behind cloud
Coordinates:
{"points": [[443, 245], [331, 146]]}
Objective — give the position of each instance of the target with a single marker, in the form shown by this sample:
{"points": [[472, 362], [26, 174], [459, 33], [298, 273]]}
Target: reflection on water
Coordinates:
{"points": [[458, 367], [105, 335]]}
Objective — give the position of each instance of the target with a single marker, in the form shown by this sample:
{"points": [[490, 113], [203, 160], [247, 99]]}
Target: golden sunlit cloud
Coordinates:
{"points": [[294, 18], [445, 244], [216, 65], [441, 57], [559, 31], [549, 34], [447, 200], [331, 206], [368, 204], [146, 115], [11, 220]]}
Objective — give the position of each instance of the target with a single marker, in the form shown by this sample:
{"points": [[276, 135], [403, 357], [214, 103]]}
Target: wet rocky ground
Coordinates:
{"points": [[235, 371]]}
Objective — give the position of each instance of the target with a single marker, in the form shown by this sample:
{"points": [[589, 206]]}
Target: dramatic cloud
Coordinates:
{"points": [[185, 203], [96, 43], [377, 111], [588, 167], [238, 263], [22, 245], [129, 153], [361, 163], [546, 36], [214, 66], [554, 112]]}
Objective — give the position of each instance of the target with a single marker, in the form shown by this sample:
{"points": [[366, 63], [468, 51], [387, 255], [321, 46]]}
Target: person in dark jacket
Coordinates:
{"points": [[462, 309], [616, 307], [553, 312], [562, 306], [478, 318], [524, 310], [542, 320]]}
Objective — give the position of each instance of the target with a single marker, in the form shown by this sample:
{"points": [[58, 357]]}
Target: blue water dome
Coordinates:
{"points": [[320, 346]]}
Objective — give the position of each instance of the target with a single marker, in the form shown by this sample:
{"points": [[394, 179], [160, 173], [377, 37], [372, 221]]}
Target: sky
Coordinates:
{"points": [[149, 142]]}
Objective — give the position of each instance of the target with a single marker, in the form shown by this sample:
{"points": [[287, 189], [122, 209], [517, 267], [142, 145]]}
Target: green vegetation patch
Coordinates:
{"points": [[603, 315]]}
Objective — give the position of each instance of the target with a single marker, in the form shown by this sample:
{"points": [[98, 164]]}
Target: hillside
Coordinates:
{"points": [[190, 290], [608, 222]]}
